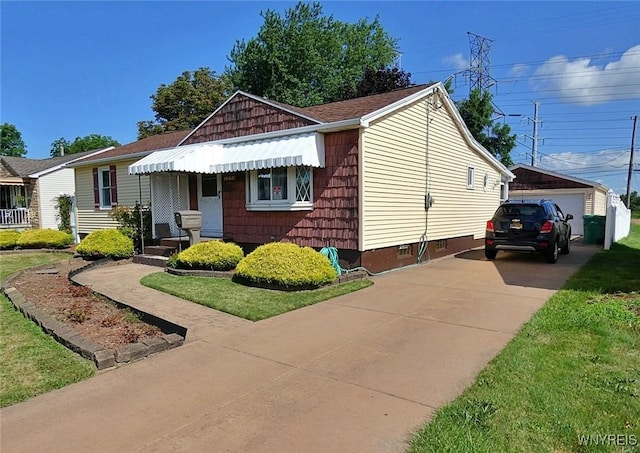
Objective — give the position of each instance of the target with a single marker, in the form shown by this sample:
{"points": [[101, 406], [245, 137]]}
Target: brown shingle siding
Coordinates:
{"points": [[243, 116], [334, 219], [530, 180]]}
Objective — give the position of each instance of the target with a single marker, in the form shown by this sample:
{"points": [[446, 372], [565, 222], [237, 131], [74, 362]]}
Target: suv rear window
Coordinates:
{"points": [[520, 210]]}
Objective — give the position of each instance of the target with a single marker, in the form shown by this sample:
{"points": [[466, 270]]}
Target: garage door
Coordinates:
{"points": [[572, 204]]}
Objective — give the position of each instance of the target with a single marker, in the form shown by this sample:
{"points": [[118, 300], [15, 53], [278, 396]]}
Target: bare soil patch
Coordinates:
{"points": [[92, 316]]}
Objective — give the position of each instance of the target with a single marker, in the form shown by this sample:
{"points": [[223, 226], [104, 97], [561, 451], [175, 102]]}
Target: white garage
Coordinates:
{"points": [[574, 196]]}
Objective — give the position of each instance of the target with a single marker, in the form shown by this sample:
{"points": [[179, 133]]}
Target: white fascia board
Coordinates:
{"points": [[366, 119], [452, 109], [67, 164], [560, 175], [252, 96]]}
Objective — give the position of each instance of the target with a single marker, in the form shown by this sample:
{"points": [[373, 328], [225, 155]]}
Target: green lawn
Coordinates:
{"points": [[572, 373], [32, 362], [246, 302]]}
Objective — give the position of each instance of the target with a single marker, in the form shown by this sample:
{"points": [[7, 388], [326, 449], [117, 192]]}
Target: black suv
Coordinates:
{"points": [[529, 226]]}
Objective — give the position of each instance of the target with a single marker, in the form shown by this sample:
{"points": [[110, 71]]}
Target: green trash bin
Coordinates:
{"points": [[593, 229]]}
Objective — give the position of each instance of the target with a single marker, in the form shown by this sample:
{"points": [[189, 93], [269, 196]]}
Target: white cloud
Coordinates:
{"points": [[591, 166], [581, 82], [457, 61], [519, 70]]}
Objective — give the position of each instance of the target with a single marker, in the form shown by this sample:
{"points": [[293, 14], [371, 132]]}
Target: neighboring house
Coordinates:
{"points": [[575, 196], [387, 179], [103, 181], [29, 188]]}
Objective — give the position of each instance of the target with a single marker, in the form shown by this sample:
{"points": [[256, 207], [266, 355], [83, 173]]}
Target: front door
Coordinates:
{"points": [[210, 204]]}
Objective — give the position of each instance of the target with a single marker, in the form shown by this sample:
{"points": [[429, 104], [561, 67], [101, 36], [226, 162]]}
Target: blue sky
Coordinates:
{"points": [[74, 68]]}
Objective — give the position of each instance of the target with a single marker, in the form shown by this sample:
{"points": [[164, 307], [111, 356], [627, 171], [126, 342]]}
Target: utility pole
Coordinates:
{"points": [[633, 136], [534, 137]]}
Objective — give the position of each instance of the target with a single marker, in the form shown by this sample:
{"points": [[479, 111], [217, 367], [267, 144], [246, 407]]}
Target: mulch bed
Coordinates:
{"points": [[92, 316]]}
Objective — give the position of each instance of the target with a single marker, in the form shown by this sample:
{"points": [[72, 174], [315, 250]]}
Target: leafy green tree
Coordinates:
{"points": [[379, 81], [11, 142], [477, 112], [305, 58], [186, 102], [81, 144], [634, 203]]}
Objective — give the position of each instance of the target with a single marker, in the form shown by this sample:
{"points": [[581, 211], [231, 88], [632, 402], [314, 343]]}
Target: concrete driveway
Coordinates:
{"points": [[357, 373]]}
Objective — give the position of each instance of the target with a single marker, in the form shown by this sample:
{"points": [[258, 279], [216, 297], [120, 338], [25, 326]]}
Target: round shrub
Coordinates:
{"points": [[209, 255], [287, 265], [106, 243], [8, 239], [45, 238]]}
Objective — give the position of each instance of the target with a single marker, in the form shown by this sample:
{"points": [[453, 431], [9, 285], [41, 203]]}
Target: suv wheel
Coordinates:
{"points": [[551, 254], [567, 248], [490, 253]]}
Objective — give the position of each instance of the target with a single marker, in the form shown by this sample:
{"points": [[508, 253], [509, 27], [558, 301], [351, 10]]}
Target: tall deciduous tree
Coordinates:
{"points": [[81, 144], [477, 112], [305, 58], [186, 102], [11, 142], [379, 81]]}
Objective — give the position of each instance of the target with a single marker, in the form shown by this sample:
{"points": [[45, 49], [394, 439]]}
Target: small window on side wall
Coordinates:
{"points": [[471, 176]]}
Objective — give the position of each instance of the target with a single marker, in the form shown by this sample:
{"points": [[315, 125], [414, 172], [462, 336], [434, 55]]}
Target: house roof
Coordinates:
{"points": [[152, 143], [357, 107], [24, 167], [543, 171]]}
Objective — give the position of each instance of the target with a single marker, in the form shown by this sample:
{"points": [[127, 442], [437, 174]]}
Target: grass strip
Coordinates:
{"points": [[246, 302]]}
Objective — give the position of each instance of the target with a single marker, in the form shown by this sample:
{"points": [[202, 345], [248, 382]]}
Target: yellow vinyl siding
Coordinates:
{"points": [[394, 180], [92, 219], [600, 202]]}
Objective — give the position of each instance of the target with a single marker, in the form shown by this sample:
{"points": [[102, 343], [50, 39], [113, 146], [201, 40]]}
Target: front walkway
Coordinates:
{"points": [[356, 373]]}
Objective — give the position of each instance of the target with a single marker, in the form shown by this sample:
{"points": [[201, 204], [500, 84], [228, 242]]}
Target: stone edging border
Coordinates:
{"points": [[102, 357]]}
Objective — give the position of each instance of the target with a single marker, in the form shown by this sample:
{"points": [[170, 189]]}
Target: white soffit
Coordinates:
{"points": [[190, 158], [292, 150]]}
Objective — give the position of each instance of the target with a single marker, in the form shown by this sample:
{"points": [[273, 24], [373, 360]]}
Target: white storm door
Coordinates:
{"points": [[210, 204]]}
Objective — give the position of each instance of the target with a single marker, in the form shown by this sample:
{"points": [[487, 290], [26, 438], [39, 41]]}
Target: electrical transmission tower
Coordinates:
{"points": [[480, 63]]}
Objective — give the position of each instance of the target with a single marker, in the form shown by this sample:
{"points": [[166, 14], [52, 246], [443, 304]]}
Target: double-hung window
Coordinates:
{"points": [[280, 189], [104, 179], [105, 193]]}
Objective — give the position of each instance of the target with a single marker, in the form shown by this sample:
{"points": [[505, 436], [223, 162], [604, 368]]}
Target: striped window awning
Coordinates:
{"points": [[216, 157]]}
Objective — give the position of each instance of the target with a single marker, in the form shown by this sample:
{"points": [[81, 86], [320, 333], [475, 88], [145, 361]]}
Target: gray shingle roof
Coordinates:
{"points": [[23, 167]]}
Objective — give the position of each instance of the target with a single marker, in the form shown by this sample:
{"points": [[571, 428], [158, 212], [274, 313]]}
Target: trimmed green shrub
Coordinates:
{"points": [[106, 243], [209, 255], [46, 238], [287, 265], [8, 239]]}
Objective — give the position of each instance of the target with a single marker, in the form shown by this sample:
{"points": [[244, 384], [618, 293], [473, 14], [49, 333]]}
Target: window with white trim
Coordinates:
{"points": [[471, 176], [104, 181], [280, 189]]}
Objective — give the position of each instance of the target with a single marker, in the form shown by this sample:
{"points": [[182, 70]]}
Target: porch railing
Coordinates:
{"points": [[14, 217]]}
